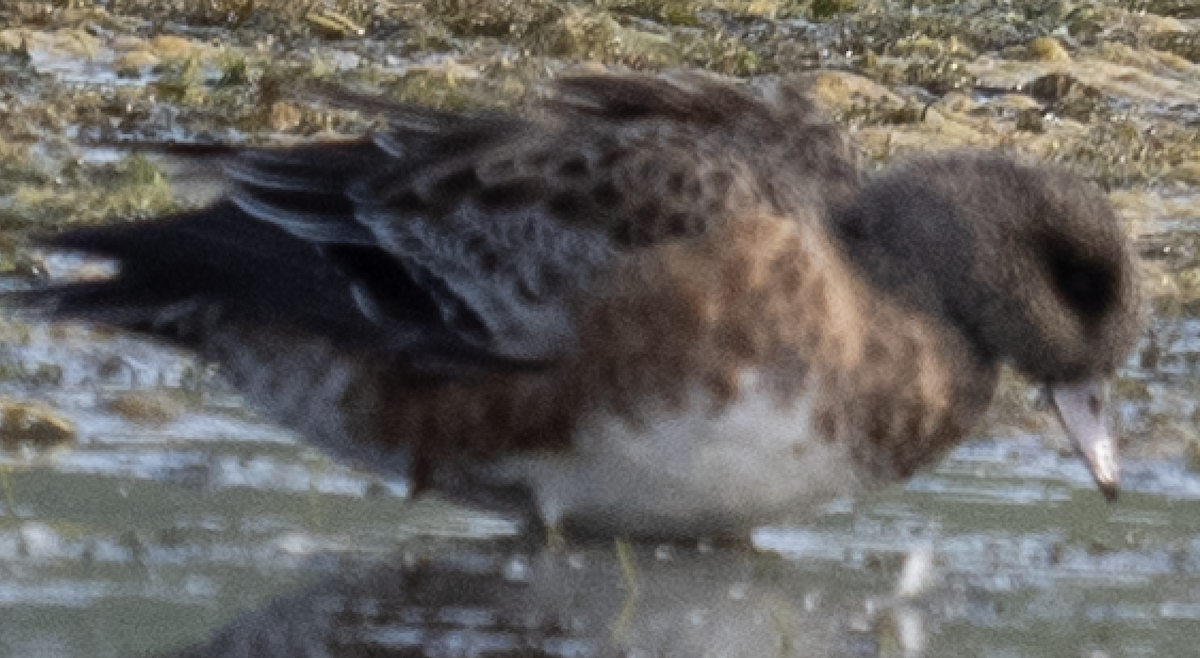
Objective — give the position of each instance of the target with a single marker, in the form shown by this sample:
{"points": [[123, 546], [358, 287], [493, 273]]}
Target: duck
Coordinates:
{"points": [[653, 305]]}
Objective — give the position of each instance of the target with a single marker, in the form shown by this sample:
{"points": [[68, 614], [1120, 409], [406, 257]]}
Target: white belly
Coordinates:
{"points": [[694, 472]]}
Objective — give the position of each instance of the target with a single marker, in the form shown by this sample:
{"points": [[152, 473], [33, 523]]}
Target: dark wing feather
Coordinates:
{"points": [[466, 239], [185, 278]]}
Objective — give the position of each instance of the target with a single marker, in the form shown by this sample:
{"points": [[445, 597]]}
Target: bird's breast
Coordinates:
{"points": [[708, 467]]}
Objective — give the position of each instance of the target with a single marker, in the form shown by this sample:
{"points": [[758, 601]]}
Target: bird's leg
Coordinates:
{"points": [[556, 539], [633, 590]]}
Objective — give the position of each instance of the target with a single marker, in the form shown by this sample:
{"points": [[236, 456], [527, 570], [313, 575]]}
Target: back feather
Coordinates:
{"points": [[459, 241]]}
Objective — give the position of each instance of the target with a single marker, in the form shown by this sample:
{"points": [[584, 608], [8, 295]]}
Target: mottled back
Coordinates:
{"points": [[502, 221]]}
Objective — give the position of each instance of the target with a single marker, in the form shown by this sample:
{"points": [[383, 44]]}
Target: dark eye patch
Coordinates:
{"points": [[1088, 285]]}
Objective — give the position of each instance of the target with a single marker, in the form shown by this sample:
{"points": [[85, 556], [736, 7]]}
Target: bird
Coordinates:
{"points": [[652, 305]]}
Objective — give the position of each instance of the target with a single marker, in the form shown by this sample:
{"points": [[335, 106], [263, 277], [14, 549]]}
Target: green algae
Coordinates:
{"points": [[492, 18], [77, 192], [1184, 44], [669, 12], [1174, 8], [1125, 151], [827, 8], [181, 79]]}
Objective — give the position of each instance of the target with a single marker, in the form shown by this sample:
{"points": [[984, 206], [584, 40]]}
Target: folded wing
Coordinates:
{"points": [[460, 241]]}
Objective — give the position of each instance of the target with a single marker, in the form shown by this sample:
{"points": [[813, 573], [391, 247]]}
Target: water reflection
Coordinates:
{"points": [[489, 599]]}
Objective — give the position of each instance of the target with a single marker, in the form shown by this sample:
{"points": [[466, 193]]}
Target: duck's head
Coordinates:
{"points": [[1029, 262]]}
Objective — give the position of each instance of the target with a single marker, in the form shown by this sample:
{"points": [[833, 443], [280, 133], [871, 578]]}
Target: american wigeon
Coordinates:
{"points": [[655, 306]]}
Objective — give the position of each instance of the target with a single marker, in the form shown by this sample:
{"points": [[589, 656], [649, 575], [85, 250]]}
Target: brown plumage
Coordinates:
{"points": [[659, 305]]}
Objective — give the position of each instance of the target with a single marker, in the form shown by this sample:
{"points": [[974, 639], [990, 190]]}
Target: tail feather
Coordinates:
{"points": [[175, 275], [185, 278]]}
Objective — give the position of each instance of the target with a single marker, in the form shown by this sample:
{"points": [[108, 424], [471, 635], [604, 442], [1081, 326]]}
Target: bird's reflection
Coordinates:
{"points": [[491, 600]]}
